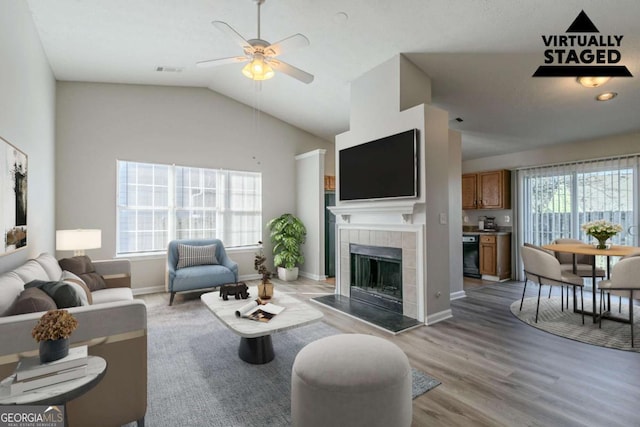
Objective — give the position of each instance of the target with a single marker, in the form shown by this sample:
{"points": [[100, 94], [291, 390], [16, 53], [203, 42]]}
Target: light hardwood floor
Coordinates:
{"points": [[497, 371]]}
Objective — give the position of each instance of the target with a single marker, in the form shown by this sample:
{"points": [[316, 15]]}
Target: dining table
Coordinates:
{"points": [[588, 249]]}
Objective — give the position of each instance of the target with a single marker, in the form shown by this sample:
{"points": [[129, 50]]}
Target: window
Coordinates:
{"points": [[557, 200], [159, 203]]}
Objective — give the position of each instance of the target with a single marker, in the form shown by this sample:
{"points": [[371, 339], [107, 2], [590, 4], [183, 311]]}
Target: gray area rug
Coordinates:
{"points": [[569, 324], [197, 379]]}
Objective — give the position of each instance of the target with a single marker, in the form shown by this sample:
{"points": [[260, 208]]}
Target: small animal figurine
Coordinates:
{"points": [[239, 290]]}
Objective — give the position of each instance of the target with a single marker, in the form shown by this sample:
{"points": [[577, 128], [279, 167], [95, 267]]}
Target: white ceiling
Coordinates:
{"points": [[480, 55]]}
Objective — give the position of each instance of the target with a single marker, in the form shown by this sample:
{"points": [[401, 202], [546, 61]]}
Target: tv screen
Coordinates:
{"points": [[386, 168]]}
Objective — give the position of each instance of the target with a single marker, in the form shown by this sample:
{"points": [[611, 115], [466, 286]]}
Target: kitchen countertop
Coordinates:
{"points": [[490, 233]]}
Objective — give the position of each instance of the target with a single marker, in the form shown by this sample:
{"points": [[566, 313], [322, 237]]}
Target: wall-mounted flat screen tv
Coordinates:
{"points": [[386, 168]]}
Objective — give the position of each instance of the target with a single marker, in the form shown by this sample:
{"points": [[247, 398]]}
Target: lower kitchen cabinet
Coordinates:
{"points": [[495, 256]]}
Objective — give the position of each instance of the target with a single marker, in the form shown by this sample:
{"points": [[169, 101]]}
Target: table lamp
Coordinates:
{"points": [[78, 240]]}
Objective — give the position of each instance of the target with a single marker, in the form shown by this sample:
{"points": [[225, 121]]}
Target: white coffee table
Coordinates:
{"points": [[256, 346]]}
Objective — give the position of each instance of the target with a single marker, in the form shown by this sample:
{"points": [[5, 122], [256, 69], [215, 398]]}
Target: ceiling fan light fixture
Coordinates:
{"points": [[590, 81], [606, 96], [257, 69]]}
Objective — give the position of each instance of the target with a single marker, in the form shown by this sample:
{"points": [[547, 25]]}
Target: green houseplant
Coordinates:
{"points": [[288, 234]]}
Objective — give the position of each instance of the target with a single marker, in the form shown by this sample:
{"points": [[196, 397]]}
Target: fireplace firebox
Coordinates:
{"points": [[376, 276]]}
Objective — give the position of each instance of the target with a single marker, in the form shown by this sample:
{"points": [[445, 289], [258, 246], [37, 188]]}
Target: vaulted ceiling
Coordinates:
{"points": [[480, 55]]}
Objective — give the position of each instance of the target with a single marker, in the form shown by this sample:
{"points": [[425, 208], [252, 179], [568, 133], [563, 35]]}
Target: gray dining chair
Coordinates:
{"points": [[624, 282], [544, 269], [583, 262]]}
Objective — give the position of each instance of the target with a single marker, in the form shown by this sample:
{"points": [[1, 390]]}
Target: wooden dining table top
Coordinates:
{"points": [[586, 249]]}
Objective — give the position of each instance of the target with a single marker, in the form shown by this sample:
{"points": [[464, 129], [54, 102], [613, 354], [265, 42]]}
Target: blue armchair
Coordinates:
{"points": [[198, 276]]}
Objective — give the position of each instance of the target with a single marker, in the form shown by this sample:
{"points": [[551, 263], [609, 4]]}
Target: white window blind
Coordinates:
{"points": [[556, 200], [159, 203]]}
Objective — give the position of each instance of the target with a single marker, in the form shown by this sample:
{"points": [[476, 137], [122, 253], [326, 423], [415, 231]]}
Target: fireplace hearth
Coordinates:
{"points": [[376, 276]]}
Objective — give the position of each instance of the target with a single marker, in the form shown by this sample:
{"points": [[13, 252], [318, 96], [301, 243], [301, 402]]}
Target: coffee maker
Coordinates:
{"points": [[490, 223]]}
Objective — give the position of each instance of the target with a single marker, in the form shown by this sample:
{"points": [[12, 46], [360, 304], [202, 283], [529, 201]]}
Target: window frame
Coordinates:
{"points": [[223, 212]]}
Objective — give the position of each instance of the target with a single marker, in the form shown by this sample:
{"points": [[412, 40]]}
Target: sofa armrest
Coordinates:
{"points": [[231, 265], [94, 322], [116, 272]]}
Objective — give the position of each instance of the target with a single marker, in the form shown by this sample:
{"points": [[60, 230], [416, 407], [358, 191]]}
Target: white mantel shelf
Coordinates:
{"points": [[405, 209]]}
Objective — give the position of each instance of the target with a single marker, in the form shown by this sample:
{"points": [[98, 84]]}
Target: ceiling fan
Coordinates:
{"points": [[261, 54]]}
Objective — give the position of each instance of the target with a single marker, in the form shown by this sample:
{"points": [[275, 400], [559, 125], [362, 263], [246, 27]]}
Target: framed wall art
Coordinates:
{"points": [[13, 197]]}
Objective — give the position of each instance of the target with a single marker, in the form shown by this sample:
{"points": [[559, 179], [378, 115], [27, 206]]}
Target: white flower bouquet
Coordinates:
{"points": [[602, 230]]}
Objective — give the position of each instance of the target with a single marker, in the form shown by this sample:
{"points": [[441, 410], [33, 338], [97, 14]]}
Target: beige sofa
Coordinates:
{"points": [[114, 327]]}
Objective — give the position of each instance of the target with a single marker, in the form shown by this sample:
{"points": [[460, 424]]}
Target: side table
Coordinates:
{"points": [[61, 393]]}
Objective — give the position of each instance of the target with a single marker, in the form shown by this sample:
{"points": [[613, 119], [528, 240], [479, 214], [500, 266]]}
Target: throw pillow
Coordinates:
{"points": [[189, 256], [62, 293], [32, 300], [82, 267], [69, 277]]}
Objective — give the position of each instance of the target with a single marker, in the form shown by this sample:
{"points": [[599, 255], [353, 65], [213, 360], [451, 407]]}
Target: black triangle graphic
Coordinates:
{"points": [[582, 24]]}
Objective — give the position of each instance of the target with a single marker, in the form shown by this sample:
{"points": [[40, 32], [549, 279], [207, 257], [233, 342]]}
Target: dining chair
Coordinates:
{"points": [[624, 282], [584, 263], [544, 269], [550, 253]]}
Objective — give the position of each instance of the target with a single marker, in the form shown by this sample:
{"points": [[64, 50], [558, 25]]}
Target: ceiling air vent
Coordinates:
{"points": [[169, 69]]}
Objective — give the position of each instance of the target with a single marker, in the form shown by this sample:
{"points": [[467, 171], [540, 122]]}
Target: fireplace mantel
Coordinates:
{"points": [[405, 209]]}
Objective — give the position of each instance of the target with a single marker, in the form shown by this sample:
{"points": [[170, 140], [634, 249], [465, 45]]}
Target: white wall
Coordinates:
{"points": [[98, 124], [392, 98], [310, 208], [455, 220], [579, 150], [27, 117]]}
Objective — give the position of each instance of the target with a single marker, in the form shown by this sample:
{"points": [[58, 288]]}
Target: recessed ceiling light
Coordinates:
{"points": [[340, 17], [606, 96], [588, 81]]}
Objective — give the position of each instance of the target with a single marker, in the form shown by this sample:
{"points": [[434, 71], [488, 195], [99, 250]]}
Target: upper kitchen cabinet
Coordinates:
{"points": [[486, 190]]}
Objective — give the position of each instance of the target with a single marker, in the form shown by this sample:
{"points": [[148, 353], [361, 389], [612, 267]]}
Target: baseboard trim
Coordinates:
{"points": [[438, 317], [249, 277], [148, 290], [318, 278], [457, 295]]}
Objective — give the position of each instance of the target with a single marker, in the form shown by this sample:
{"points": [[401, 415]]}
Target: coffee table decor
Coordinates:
{"points": [[256, 346], [602, 230], [265, 287]]}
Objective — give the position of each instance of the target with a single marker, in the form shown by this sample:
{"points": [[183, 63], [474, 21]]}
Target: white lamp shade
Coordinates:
{"points": [[78, 240]]}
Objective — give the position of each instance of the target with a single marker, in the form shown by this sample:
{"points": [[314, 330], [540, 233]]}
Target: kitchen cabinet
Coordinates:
{"points": [[486, 190], [495, 256]]}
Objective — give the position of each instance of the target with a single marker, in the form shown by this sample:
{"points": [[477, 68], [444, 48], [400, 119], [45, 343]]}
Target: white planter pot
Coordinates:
{"points": [[287, 274]]}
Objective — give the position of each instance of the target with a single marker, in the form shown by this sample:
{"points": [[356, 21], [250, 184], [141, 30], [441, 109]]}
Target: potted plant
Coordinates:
{"points": [[52, 332], [288, 234], [265, 288]]}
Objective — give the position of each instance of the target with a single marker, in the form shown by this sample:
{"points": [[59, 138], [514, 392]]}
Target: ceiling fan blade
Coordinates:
{"points": [[293, 42], [234, 35], [292, 71], [221, 61]]}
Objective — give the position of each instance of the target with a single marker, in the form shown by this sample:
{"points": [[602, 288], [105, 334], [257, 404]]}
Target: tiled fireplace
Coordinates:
{"points": [[386, 262]]}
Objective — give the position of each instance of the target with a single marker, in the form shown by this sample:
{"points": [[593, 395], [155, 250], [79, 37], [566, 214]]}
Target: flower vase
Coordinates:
{"points": [[602, 243], [51, 350], [265, 290]]}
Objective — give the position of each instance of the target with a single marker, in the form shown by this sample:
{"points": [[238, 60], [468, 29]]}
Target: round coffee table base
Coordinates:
{"points": [[256, 351]]}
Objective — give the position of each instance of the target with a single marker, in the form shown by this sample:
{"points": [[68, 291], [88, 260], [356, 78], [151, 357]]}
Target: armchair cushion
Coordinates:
{"points": [[82, 267], [32, 300], [189, 256]]}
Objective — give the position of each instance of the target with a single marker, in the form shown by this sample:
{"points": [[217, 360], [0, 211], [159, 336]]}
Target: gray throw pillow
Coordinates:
{"points": [[64, 294], [32, 300], [189, 256]]}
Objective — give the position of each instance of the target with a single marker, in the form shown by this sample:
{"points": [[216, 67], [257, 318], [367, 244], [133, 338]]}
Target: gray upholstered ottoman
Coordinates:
{"points": [[351, 380]]}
